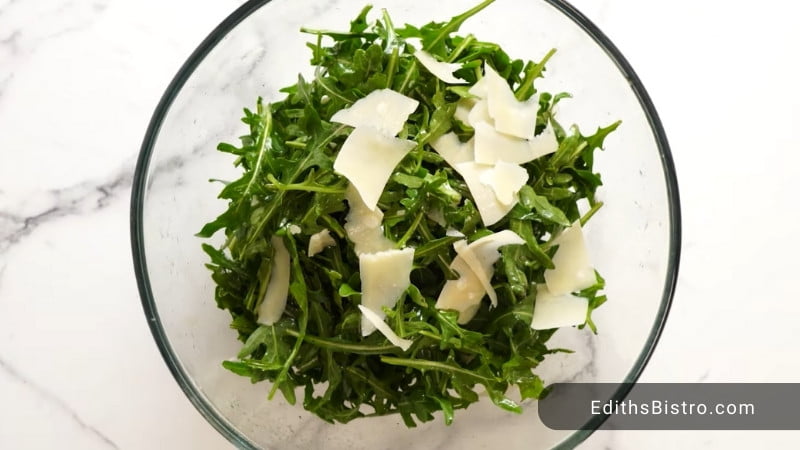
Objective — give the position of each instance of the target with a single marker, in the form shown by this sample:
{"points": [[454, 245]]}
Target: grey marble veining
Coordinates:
{"points": [[53, 399], [56, 403], [80, 199], [23, 22]]}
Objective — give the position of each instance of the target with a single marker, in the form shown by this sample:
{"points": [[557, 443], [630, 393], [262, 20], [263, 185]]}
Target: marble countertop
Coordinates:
{"points": [[80, 79]]}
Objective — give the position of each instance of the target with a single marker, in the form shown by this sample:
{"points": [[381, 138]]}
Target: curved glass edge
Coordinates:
{"points": [[137, 233], [673, 201], [140, 184]]}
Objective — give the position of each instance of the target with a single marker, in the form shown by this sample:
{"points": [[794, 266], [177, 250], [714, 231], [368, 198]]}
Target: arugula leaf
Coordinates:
{"points": [[542, 206], [434, 35]]}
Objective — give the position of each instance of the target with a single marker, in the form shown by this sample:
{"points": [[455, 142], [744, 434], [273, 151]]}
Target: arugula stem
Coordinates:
{"points": [[527, 314], [311, 363], [251, 300], [340, 346], [318, 49], [399, 323], [372, 381], [411, 230], [333, 225], [336, 34], [460, 48], [435, 245], [331, 90], [391, 35], [407, 79], [596, 207], [456, 22], [392, 67], [441, 260], [422, 364], [264, 140], [526, 88], [276, 184], [277, 201]]}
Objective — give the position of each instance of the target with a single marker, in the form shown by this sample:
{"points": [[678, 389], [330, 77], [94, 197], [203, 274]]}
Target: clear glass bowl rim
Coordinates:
{"points": [[139, 188]]}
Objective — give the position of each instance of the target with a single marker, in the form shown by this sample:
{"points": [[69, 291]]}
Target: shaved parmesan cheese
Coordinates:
{"points": [[274, 301], [510, 115], [544, 143], [441, 70], [452, 150], [498, 92], [364, 226], [572, 269], [505, 180], [464, 294], [384, 278], [436, 215], [490, 209], [475, 265], [480, 114], [519, 121], [320, 241], [486, 247], [367, 159], [555, 311], [452, 232], [463, 107], [377, 321], [480, 89], [294, 229], [384, 110], [481, 255], [477, 268], [492, 146]]}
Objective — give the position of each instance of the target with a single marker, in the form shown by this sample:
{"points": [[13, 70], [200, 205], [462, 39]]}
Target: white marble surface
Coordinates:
{"points": [[79, 80]]}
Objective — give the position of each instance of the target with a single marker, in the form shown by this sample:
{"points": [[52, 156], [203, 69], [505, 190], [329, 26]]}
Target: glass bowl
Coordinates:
{"points": [[634, 241]]}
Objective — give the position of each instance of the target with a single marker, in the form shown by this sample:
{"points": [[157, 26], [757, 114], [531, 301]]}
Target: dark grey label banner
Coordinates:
{"points": [[672, 406]]}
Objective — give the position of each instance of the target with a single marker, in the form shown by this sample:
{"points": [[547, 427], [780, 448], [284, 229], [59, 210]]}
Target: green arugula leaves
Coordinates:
{"points": [[288, 181]]}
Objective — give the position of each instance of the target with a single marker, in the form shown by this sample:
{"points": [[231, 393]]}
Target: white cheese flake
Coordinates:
{"points": [[556, 311], [480, 114], [449, 147], [505, 180], [384, 277], [481, 255], [274, 300], [492, 146], [544, 143], [572, 271], [383, 109], [377, 322], [319, 242], [480, 89], [452, 232], [368, 158], [441, 70], [490, 209], [475, 265], [464, 294], [436, 215], [510, 115], [364, 226], [484, 277]]}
